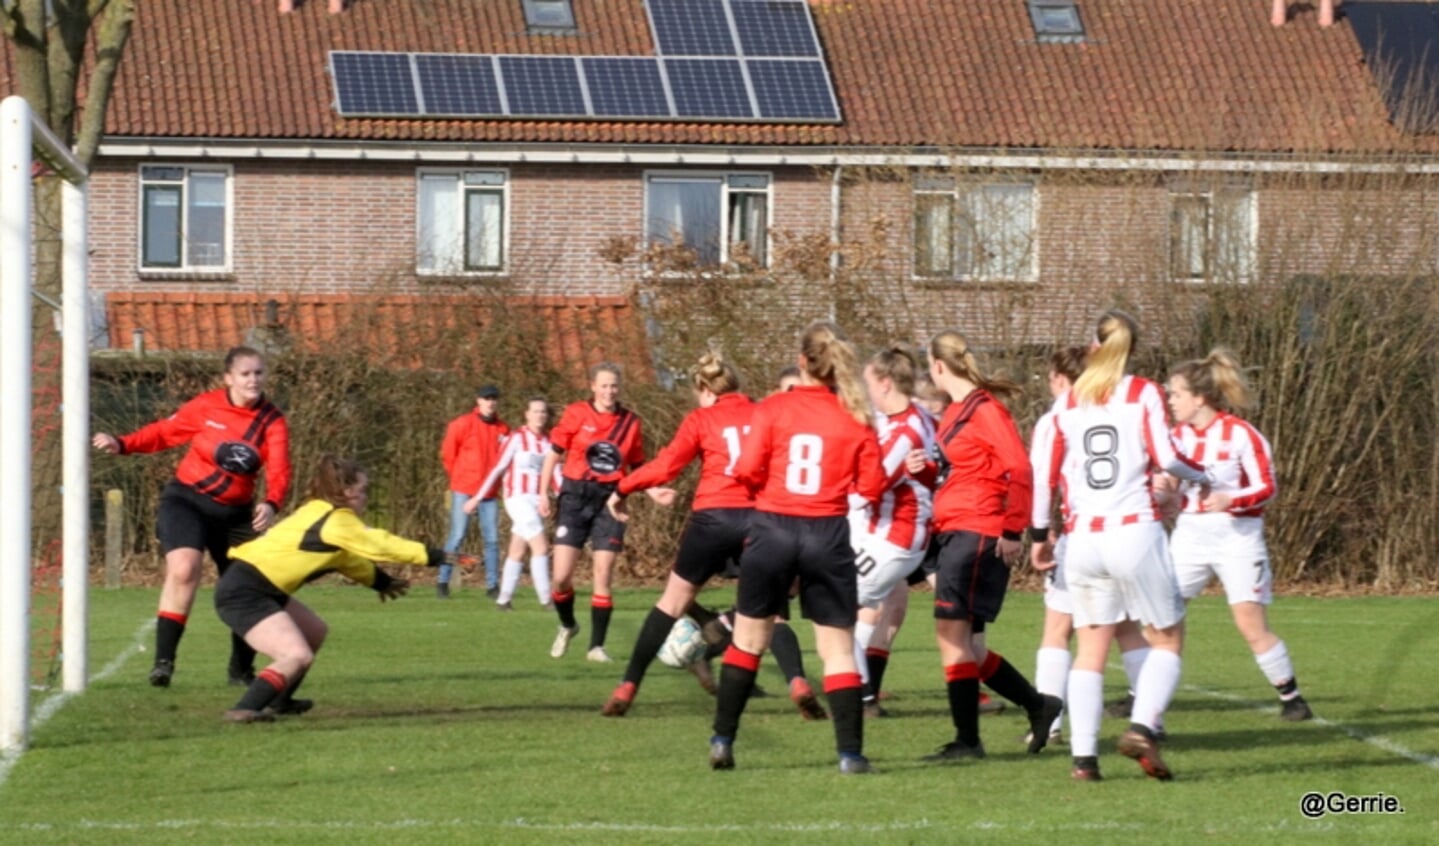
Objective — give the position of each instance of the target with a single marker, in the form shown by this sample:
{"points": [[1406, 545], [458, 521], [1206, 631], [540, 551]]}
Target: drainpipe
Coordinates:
{"points": [[834, 231]]}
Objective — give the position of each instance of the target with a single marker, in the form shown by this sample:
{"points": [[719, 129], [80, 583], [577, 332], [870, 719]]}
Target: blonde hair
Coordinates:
{"points": [[830, 360], [1219, 379], [1117, 334], [952, 349], [896, 364], [714, 374]]}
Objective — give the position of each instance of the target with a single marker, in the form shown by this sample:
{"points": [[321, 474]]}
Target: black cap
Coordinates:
{"points": [[488, 392]]}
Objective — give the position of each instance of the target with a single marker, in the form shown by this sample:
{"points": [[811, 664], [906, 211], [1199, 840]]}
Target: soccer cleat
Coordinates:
{"points": [[721, 754], [493, 592], [562, 640], [241, 679], [162, 671], [988, 705], [1121, 707], [873, 710], [598, 655], [1086, 768], [854, 765], [1040, 719], [245, 715], [619, 701], [504, 606], [1055, 738], [955, 751], [1295, 710], [291, 707], [802, 695], [1138, 743]]}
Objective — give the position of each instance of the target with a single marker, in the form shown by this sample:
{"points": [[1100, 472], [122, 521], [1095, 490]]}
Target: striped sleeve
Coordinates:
{"points": [[1258, 465], [512, 445], [1046, 453], [1159, 442]]}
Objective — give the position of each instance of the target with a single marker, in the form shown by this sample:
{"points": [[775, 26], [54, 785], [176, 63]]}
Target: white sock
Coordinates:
{"points": [[540, 574], [509, 577], [1051, 675], [1157, 683], [1086, 708], [1276, 666], [862, 633], [1133, 661]]}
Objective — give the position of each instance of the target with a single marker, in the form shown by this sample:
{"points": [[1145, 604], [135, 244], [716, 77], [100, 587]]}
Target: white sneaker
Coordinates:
{"points": [[562, 641], [599, 655]]}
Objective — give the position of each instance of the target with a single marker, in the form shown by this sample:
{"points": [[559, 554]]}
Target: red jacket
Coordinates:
{"points": [[597, 446], [990, 483], [714, 434], [229, 446], [805, 454], [470, 450]]}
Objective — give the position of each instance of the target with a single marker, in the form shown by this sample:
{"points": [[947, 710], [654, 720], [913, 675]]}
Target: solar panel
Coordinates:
{"points": [[788, 88], [373, 84], [625, 87], [708, 88], [691, 28], [774, 28], [543, 85], [458, 85], [1398, 41]]}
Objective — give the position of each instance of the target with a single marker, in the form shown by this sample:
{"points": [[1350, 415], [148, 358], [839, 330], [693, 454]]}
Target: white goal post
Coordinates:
{"points": [[23, 139]]}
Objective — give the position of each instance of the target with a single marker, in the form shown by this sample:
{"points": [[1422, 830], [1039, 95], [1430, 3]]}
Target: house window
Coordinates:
{"points": [[1056, 21], [184, 219], [978, 231], [1211, 236], [549, 16], [723, 218], [462, 222]]}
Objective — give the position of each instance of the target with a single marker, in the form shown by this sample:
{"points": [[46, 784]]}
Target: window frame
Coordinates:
{"points": [[444, 268], [960, 192], [534, 25], [184, 265], [1244, 195], [725, 262], [1045, 34]]}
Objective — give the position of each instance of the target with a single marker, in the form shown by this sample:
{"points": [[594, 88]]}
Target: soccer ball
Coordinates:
{"points": [[684, 646]]}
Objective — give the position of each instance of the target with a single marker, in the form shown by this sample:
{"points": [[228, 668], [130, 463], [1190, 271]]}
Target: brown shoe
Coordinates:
{"points": [[1086, 769], [802, 695], [1139, 743], [619, 701]]}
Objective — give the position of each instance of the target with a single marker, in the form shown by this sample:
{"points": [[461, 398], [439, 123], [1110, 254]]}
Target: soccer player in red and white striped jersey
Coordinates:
{"points": [[1108, 438], [517, 470], [807, 450], [1223, 533]]}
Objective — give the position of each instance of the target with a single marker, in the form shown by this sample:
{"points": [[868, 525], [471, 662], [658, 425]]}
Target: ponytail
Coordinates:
{"points": [[953, 350], [714, 374], [1117, 335], [830, 360], [1219, 379]]}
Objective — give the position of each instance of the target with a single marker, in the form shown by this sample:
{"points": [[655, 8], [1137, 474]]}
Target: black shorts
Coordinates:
{"points": [[187, 519], [972, 578], [712, 538], [814, 549], [582, 516], [244, 597]]}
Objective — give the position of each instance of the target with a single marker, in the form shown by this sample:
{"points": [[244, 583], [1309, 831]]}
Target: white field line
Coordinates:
{"points": [[52, 705]]}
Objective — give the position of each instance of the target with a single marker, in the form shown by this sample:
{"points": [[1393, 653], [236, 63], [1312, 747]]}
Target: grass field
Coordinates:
{"points": [[447, 722]]}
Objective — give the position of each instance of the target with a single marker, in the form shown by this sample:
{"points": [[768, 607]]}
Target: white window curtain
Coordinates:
{"points": [[438, 242], [686, 211]]}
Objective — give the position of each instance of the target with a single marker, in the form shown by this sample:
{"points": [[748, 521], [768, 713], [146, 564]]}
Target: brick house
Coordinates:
{"points": [[1013, 165]]}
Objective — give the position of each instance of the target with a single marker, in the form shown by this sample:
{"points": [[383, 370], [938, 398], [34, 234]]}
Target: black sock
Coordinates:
{"points": [[701, 614], [600, 612], [843, 693], [265, 689], [295, 681], [1288, 690], [1004, 679], [877, 665], [653, 632], [963, 704], [242, 657], [169, 628], [785, 646], [736, 682], [565, 607]]}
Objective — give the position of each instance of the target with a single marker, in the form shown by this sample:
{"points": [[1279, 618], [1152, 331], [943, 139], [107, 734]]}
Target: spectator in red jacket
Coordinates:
{"points": [[471, 447], [233, 434]]}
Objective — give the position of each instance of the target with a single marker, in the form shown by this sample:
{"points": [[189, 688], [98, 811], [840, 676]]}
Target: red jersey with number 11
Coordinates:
{"points": [[714, 434], [805, 454]]}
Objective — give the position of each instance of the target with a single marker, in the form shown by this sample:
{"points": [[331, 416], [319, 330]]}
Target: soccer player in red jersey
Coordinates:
{"points": [[597, 439], [1223, 534], [1108, 437], [808, 448], [979, 513], [233, 433]]}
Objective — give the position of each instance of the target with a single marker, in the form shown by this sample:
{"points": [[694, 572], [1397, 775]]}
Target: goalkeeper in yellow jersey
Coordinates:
{"points": [[255, 596]]}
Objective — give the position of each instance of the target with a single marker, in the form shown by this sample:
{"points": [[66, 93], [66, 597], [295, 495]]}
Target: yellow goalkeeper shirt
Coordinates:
{"points": [[320, 538]]}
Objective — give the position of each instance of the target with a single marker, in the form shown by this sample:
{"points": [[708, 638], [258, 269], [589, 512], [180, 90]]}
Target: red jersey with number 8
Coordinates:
{"points": [[714, 434], [805, 454]]}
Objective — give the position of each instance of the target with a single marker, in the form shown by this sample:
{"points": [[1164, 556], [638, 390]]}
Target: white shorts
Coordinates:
{"points": [[525, 519], [881, 565], [1056, 589], [1123, 572], [1205, 545]]}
